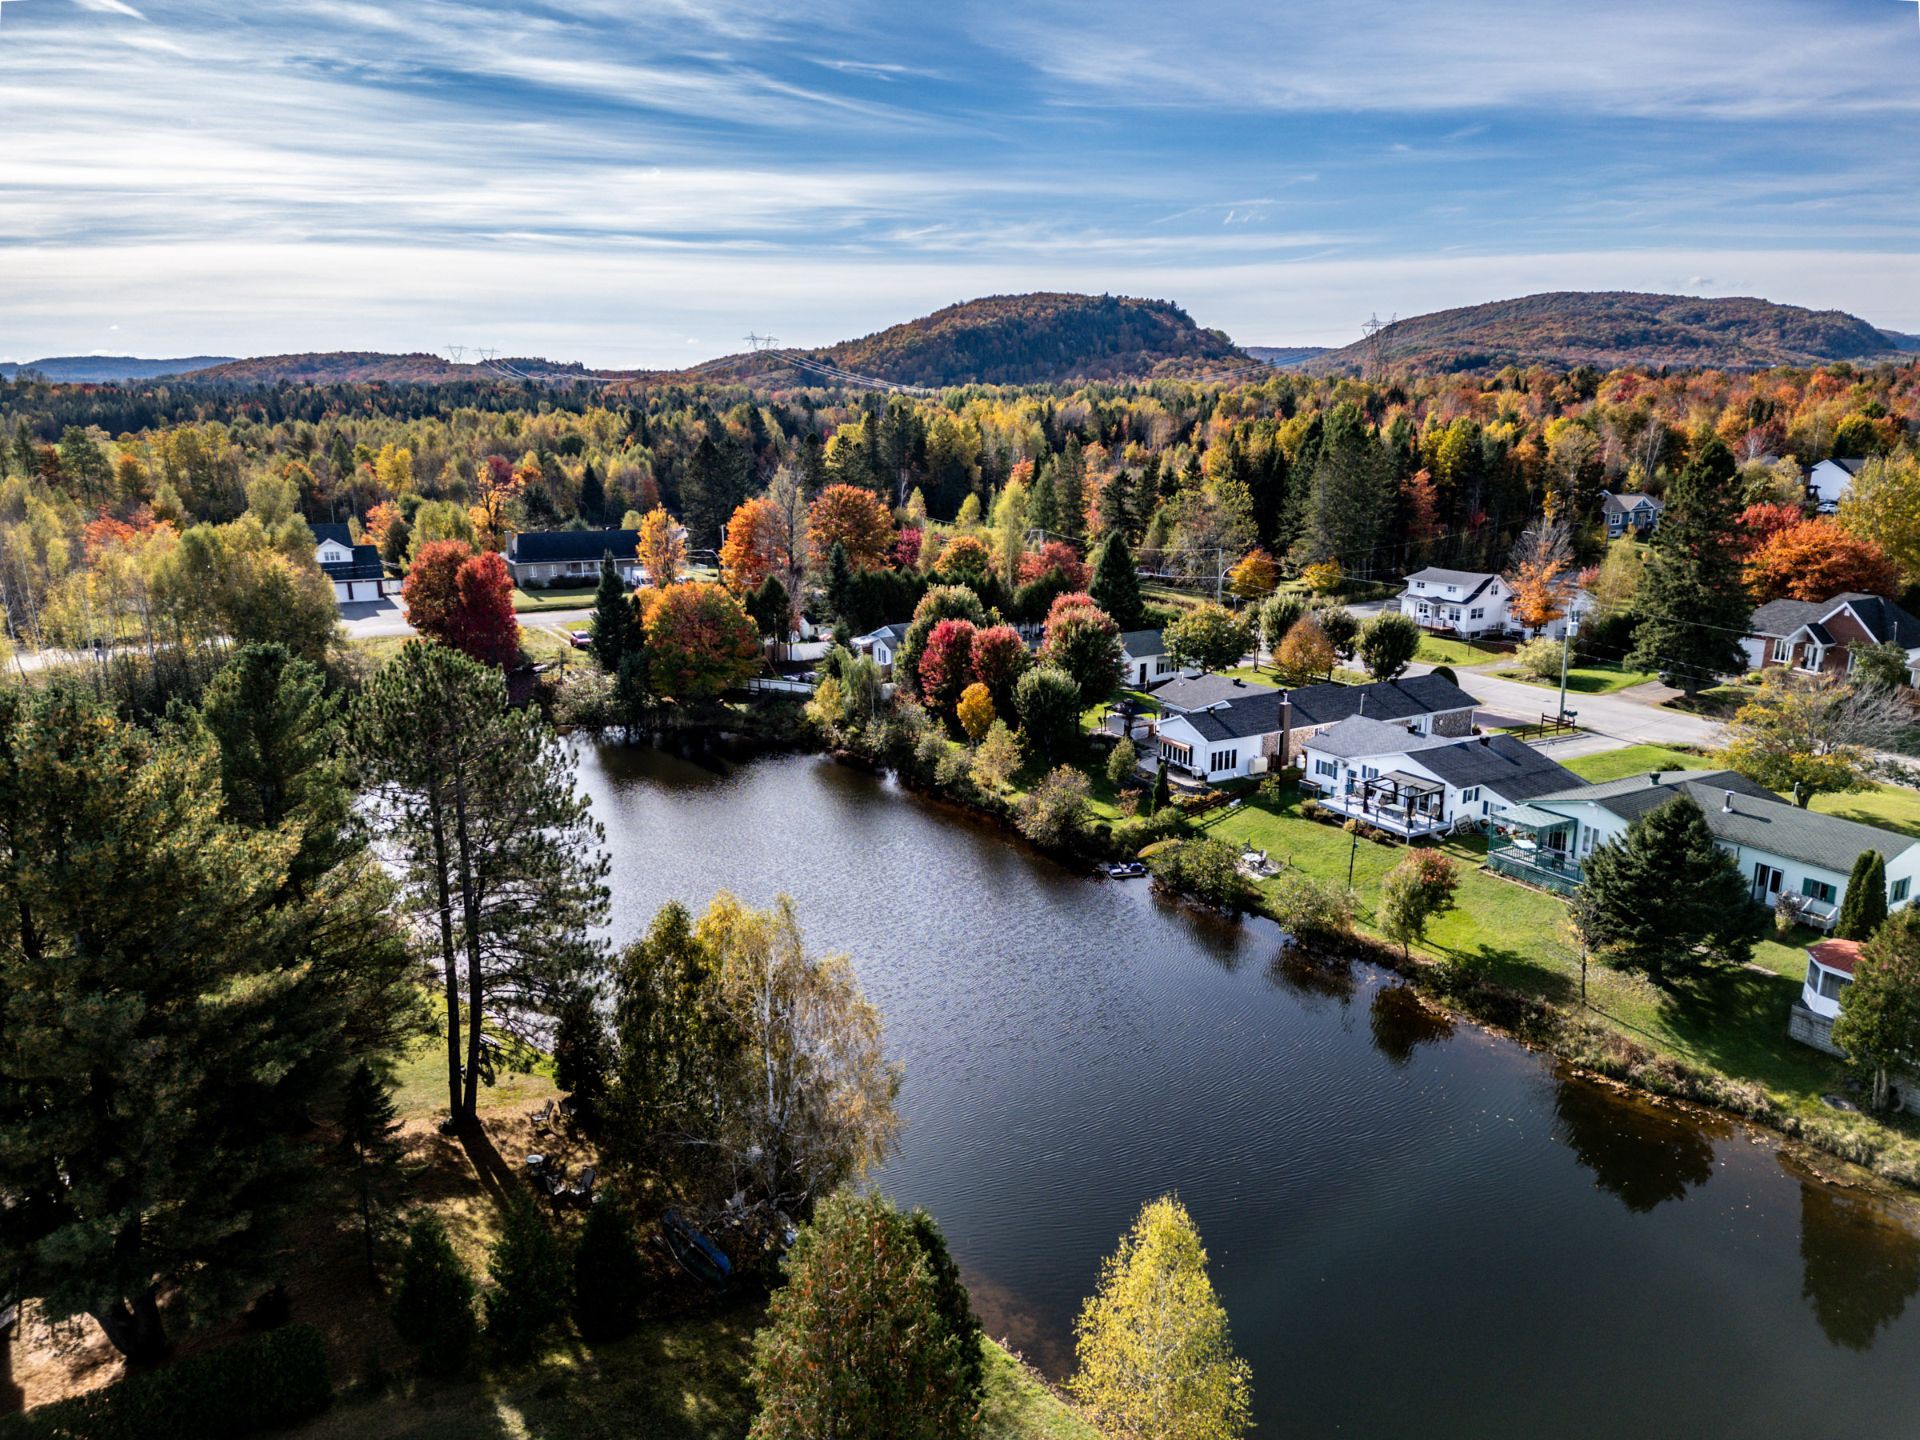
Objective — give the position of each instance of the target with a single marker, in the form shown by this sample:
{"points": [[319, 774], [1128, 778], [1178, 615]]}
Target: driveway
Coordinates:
{"points": [[373, 619], [1629, 717]]}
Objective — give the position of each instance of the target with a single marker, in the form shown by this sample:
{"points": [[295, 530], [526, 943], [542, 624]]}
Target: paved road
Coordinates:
{"points": [[371, 620], [1629, 717]]}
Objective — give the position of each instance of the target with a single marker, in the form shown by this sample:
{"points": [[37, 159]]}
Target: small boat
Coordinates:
{"points": [[698, 1255], [1125, 870]]}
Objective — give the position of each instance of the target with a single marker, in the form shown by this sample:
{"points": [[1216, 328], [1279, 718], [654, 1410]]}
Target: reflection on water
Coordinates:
{"points": [[1859, 1263], [1640, 1152], [1402, 1024], [1395, 1224]]}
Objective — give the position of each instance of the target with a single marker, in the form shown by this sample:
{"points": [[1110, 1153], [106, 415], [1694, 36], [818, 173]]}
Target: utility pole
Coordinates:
{"points": [[1566, 648]]}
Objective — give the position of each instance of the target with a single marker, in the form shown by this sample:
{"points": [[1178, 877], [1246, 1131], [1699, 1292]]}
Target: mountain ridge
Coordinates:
{"points": [[106, 369]]}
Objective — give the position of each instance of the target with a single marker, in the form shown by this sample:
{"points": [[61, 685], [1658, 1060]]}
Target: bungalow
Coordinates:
{"points": [[883, 644], [1818, 637], [1782, 850], [1217, 728], [1829, 481], [1144, 661], [1629, 514], [1458, 602], [1411, 784], [538, 559], [355, 570]]}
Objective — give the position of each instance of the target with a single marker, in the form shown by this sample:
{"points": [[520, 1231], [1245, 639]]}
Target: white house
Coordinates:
{"points": [[882, 644], [1782, 849], [1627, 514], [355, 570], [546, 558], [1458, 602], [1215, 728], [1829, 481], [1144, 660], [1408, 784]]}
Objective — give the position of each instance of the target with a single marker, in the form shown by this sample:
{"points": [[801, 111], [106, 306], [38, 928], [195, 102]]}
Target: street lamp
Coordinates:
{"points": [[1566, 648]]}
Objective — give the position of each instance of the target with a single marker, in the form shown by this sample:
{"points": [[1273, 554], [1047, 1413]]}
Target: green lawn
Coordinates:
{"points": [[1584, 679], [1519, 938], [1634, 760], [1445, 650], [532, 602]]}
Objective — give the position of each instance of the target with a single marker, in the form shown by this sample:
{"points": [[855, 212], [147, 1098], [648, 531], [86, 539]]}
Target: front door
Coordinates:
{"points": [[1766, 883]]}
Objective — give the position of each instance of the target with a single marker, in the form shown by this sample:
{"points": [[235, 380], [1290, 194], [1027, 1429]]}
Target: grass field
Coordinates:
{"points": [[532, 602], [1445, 650], [1584, 679]]}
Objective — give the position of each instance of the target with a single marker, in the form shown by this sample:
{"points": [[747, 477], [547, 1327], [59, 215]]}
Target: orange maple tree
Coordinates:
{"points": [[855, 519], [1816, 560], [755, 545], [662, 546]]}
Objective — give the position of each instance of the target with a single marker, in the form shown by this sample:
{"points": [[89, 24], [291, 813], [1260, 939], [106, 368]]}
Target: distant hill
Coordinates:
{"points": [[1286, 357], [341, 367], [1902, 342], [1015, 340], [1611, 329], [103, 369]]}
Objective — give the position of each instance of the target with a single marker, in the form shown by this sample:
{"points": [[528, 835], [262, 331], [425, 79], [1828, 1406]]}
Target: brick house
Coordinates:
{"points": [[1817, 637]]}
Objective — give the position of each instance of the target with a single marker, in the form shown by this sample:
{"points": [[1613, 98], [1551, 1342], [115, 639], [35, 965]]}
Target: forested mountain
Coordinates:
{"points": [[1036, 339], [352, 367], [100, 369], [1613, 329]]}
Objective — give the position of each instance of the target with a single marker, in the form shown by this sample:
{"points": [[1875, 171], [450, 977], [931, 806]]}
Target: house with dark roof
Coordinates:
{"points": [[1830, 480], [1784, 851], [1818, 637], [355, 570], [1219, 729], [542, 559], [1411, 785], [1144, 660], [1629, 514], [883, 644], [1466, 603]]}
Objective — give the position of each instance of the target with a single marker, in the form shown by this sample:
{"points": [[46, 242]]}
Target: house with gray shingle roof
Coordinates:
{"points": [[1412, 784], [1144, 660], [1629, 514], [1818, 637], [1781, 849], [1466, 603]]}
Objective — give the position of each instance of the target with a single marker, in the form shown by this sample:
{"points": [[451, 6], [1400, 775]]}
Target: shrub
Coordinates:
{"points": [[1134, 834], [1313, 810], [433, 1304], [1122, 764], [608, 1274], [585, 698], [1540, 658], [1206, 869], [1054, 811], [1048, 701], [261, 1383], [1310, 908]]}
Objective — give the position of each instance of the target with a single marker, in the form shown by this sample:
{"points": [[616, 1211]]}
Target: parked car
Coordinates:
{"points": [[580, 639]]}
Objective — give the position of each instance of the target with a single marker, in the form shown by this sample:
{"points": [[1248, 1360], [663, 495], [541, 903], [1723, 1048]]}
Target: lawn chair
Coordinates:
{"points": [[544, 1118], [580, 1192]]}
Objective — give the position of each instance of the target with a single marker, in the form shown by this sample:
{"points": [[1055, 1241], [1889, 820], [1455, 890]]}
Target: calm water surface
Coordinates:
{"points": [[1417, 1229]]}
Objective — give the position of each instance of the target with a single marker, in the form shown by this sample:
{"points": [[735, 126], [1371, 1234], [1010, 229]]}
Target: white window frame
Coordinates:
{"points": [[1782, 650]]}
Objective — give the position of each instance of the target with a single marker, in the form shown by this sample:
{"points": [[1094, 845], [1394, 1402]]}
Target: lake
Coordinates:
{"points": [[1416, 1227]]}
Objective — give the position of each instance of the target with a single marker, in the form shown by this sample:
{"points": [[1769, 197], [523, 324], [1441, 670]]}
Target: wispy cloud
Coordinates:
{"points": [[378, 168]]}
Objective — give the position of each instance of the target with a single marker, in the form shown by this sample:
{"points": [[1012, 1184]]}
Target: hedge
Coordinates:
{"points": [[254, 1384]]}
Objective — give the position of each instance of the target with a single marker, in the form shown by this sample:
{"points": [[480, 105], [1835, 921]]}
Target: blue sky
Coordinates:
{"points": [[633, 183]]}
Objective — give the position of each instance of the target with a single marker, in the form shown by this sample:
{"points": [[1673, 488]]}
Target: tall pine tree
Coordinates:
{"points": [[1115, 586], [612, 623], [1692, 601]]}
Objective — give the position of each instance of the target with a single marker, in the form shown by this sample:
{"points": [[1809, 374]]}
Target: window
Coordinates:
{"points": [[1162, 665], [1813, 975], [1176, 753], [1467, 797], [1586, 841], [1369, 772], [1331, 770], [1222, 760], [1899, 891], [1831, 985], [1782, 652], [1476, 614], [1818, 890]]}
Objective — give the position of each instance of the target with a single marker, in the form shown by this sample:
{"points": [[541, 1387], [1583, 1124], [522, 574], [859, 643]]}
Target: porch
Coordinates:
{"points": [[1534, 847], [1401, 804]]}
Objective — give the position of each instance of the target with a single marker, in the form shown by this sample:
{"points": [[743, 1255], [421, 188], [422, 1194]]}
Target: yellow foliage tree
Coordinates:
{"points": [[975, 711], [662, 546], [1322, 579], [1306, 653], [1255, 575], [1156, 1359]]}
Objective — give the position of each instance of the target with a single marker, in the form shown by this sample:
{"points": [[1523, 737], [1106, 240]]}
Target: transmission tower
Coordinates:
{"points": [[1374, 345], [456, 351], [762, 342]]}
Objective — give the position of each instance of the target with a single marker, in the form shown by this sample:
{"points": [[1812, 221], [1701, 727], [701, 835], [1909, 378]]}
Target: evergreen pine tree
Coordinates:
{"points": [[612, 624], [593, 496], [1865, 908], [369, 1124], [1693, 605], [433, 1301], [839, 586], [1664, 896], [1070, 492], [950, 1299], [609, 1276], [1162, 788], [530, 1278], [1043, 507], [1115, 586], [582, 1053], [1116, 505]]}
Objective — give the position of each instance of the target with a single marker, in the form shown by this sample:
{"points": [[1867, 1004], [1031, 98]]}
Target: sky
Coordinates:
{"points": [[628, 183]]}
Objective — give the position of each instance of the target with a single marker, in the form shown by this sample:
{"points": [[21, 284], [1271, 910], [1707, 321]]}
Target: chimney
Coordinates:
{"points": [[1486, 739], [1726, 805]]}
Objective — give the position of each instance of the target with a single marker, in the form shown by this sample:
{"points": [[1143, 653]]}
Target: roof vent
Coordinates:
{"points": [[1653, 778], [1726, 805], [1486, 739]]}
